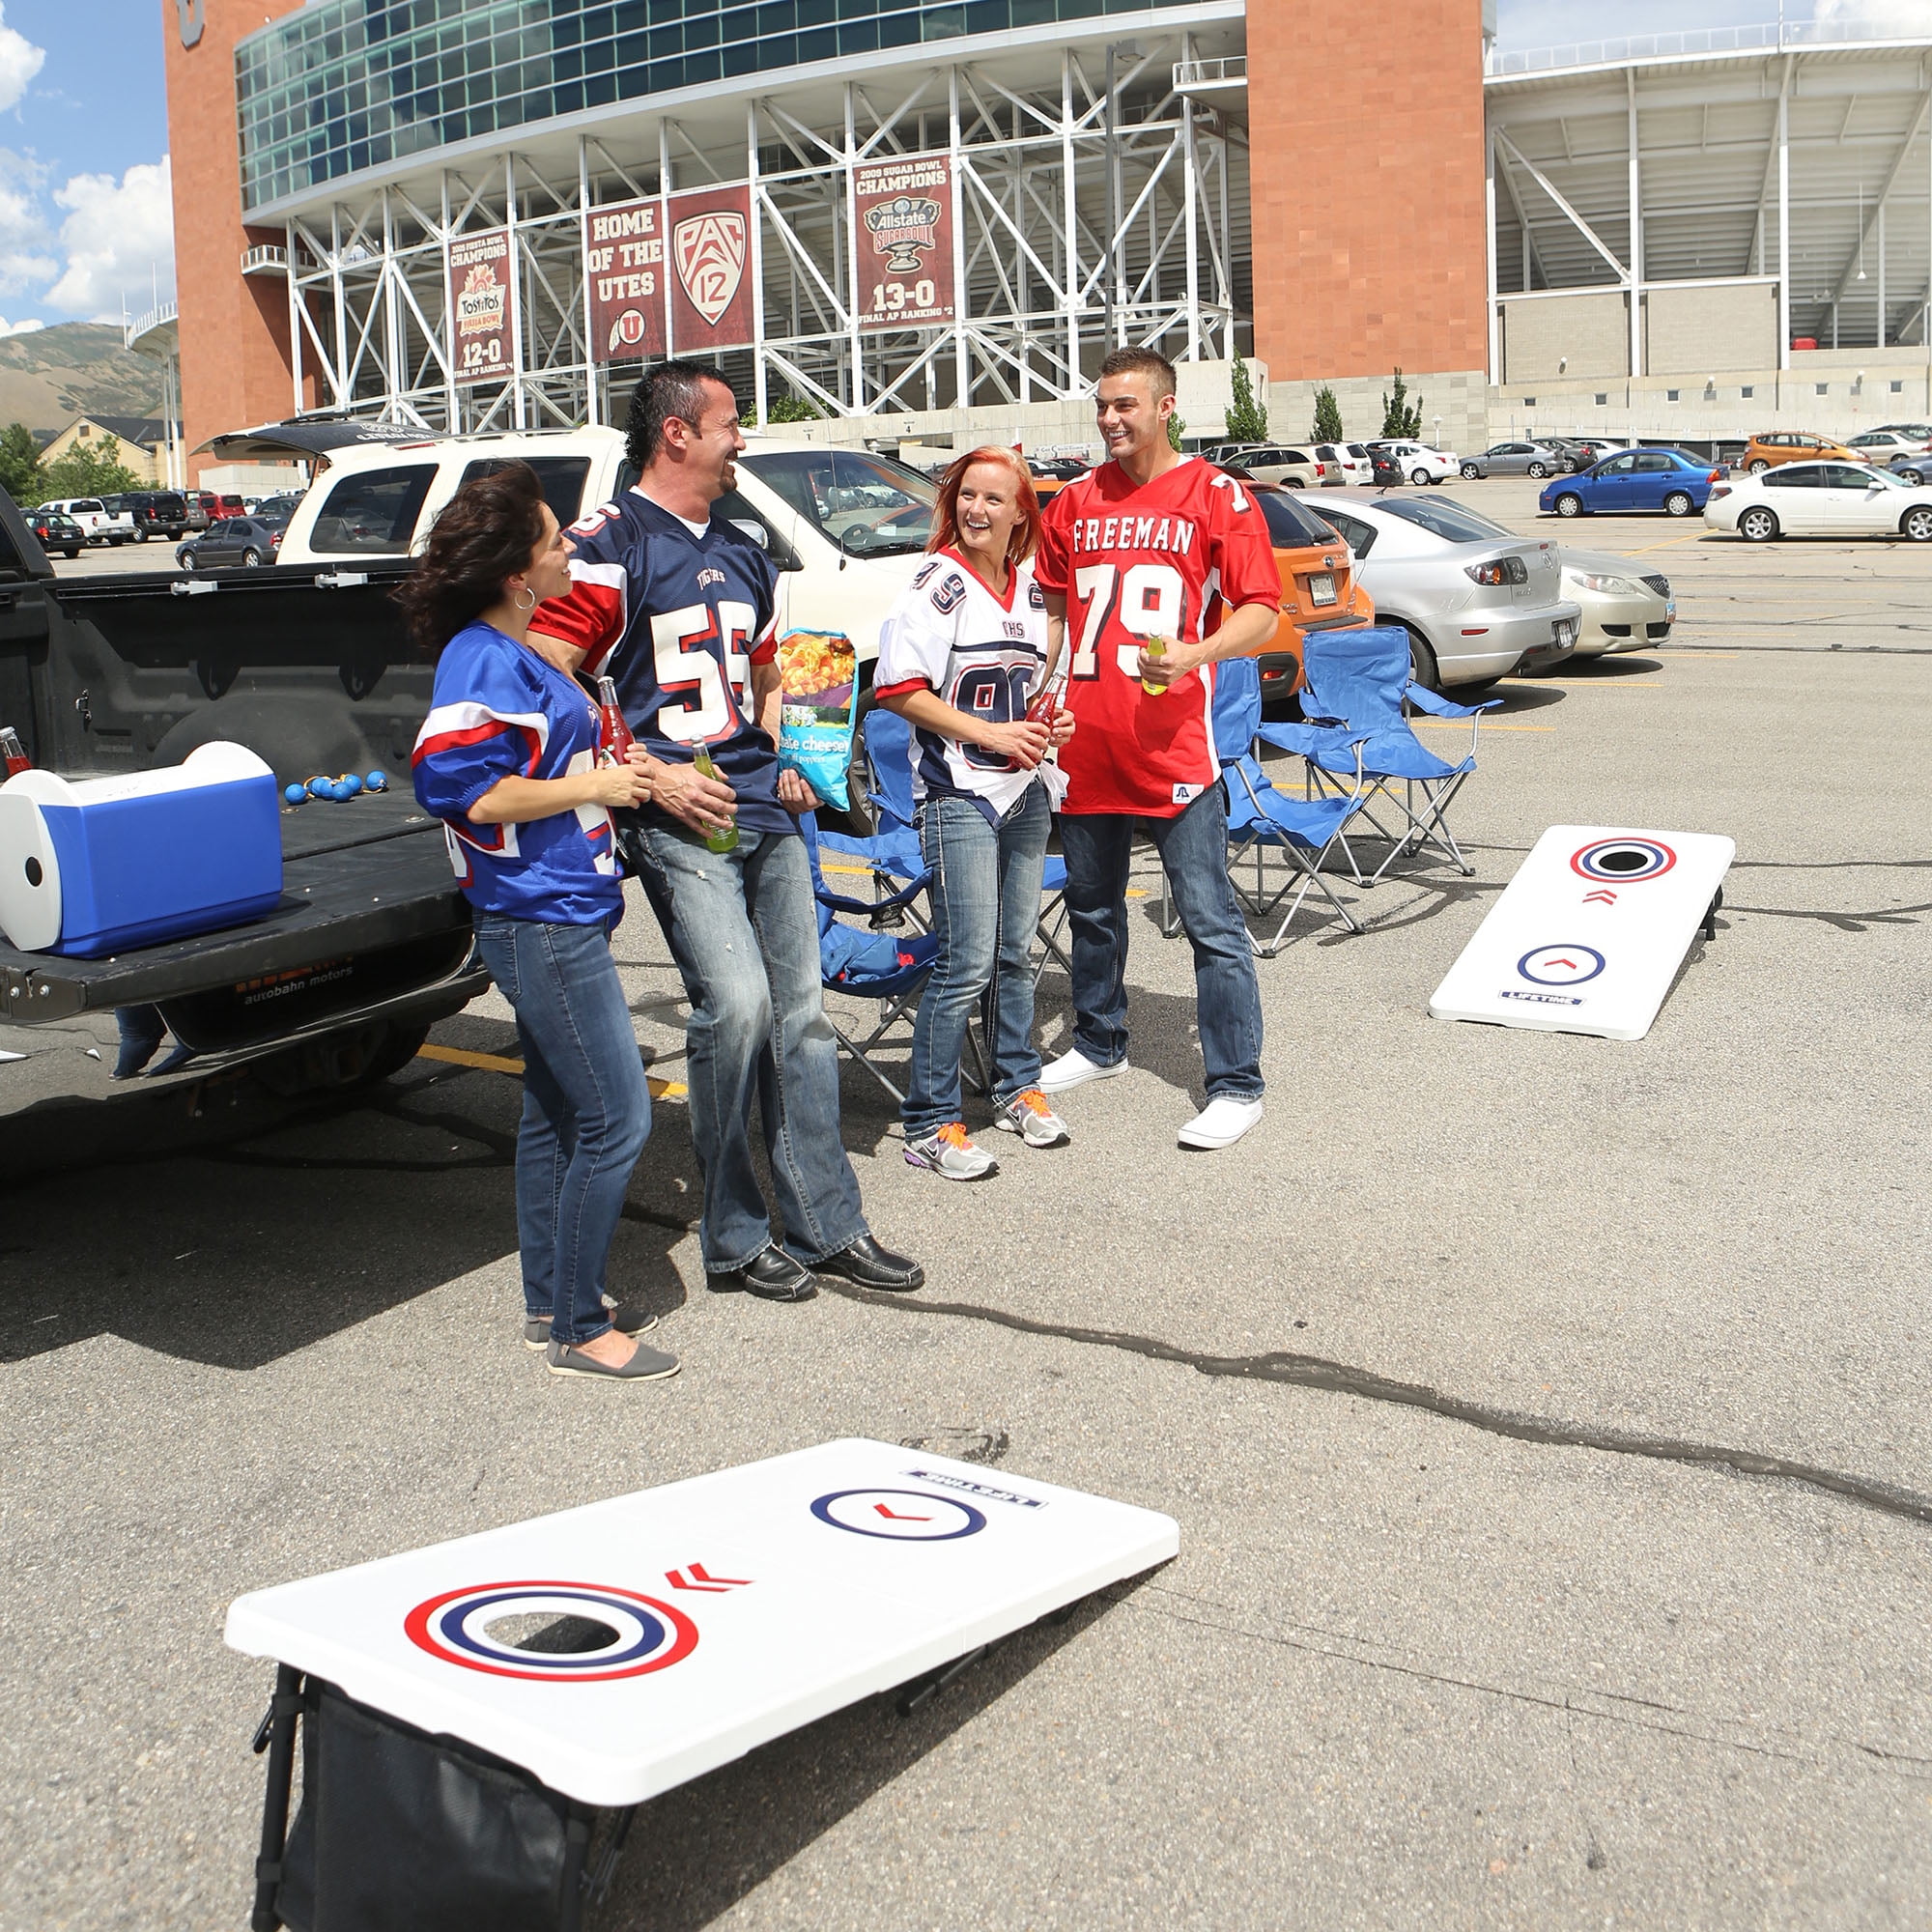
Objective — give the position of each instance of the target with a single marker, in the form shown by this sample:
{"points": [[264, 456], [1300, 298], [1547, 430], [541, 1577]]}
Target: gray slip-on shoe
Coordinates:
{"points": [[646, 1365]]}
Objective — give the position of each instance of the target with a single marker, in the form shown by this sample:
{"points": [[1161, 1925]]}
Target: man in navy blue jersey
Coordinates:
{"points": [[678, 607]]}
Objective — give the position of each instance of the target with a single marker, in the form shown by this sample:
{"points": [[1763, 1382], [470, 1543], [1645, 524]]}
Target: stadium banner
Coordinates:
{"points": [[903, 208], [624, 280], [481, 290], [710, 270]]}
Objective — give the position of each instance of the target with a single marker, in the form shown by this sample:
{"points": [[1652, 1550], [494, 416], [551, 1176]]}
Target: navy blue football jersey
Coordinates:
{"points": [[677, 620]]}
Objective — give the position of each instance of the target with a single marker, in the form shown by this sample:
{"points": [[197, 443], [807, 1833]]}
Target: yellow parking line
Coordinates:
{"points": [[1694, 536], [497, 1062]]}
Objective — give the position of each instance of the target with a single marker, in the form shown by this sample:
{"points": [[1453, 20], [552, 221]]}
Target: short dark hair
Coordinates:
{"points": [[671, 390], [487, 533], [1142, 362]]}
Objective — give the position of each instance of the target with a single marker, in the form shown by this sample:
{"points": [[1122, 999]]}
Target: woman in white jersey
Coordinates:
{"points": [[960, 655]]}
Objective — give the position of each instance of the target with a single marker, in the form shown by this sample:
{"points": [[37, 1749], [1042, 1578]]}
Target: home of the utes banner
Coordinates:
{"points": [[624, 278]]}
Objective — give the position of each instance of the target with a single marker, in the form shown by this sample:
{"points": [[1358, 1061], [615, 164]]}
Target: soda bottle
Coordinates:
{"points": [[1155, 647], [13, 751], [1043, 707], [614, 737], [725, 841]]}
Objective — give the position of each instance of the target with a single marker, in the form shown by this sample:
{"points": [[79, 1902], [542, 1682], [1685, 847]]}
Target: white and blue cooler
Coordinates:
{"points": [[95, 866]]}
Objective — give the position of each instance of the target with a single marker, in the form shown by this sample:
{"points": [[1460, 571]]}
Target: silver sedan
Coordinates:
{"points": [[1624, 608]]}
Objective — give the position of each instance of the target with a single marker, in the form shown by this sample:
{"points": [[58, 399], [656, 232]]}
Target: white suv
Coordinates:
{"points": [[846, 527], [1419, 463]]}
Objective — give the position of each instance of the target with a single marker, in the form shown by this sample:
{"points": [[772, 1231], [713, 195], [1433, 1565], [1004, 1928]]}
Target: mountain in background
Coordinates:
{"points": [[49, 375]]}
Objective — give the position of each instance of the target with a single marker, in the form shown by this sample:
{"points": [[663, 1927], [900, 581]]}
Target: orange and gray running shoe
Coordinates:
{"points": [[1028, 1114], [948, 1153]]}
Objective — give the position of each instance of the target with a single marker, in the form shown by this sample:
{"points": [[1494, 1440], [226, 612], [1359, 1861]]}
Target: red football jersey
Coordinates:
{"points": [[1134, 563]]}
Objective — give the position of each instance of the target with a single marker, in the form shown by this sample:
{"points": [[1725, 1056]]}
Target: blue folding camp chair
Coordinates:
{"points": [[889, 967], [891, 856], [1262, 819], [1356, 685]]}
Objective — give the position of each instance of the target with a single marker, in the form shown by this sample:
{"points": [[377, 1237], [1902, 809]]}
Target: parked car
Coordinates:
{"points": [[1623, 607], [1589, 449], [53, 531], [243, 541], [1318, 590], [1763, 452], [1384, 467], [1477, 599], [1419, 463], [214, 505], [1277, 463], [1347, 463], [1880, 445], [1911, 469], [1920, 433], [1822, 500], [153, 513], [1670, 480], [99, 523], [1516, 459]]}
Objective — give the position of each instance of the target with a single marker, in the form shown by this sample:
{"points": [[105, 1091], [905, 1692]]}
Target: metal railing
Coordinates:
{"points": [[1232, 70], [264, 257], [156, 318], [1774, 36]]}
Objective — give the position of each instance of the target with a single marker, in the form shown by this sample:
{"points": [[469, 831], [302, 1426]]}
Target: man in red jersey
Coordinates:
{"points": [[1140, 559]]}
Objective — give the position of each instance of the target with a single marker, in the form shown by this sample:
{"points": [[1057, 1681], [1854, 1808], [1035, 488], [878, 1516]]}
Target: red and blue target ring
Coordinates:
{"points": [[646, 1634], [1619, 861]]}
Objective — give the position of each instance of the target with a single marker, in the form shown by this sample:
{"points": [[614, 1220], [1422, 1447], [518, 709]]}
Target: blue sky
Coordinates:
{"points": [[85, 214]]}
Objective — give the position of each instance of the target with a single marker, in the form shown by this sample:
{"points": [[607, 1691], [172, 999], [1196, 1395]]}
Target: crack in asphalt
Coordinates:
{"points": [[1319, 1371]]}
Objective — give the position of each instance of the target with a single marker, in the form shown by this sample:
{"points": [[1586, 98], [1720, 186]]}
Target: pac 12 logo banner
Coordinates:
{"points": [[482, 287], [710, 268], [624, 274], [904, 212]]}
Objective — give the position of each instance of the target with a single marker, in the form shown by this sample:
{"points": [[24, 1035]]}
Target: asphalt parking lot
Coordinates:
{"points": [[1543, 1416]]}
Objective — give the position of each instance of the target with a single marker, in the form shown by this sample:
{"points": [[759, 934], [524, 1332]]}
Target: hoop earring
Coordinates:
{"points": [[518, 599]]}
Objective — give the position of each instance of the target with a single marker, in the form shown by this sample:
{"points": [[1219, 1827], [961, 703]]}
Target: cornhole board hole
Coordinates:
{"points": [[1589, 934], [467, 1707]]}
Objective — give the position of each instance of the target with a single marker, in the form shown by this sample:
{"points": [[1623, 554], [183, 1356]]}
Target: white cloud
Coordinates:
{"points": [[116, 235], [21, 60], [24, 262], [1906, 20], [26, 328]]}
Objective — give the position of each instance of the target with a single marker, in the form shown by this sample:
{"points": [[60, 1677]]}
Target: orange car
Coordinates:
{"points": [[1788, 446], [1318, 591]]}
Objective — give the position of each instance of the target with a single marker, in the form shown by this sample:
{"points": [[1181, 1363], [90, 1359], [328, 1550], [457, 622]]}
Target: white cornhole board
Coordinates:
{"points": [[746, 1603], [1589, 934]]}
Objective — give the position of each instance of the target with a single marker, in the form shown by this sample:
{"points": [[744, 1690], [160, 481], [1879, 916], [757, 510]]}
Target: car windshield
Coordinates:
{"points": [[1884, 476], [1453, 522], [868, 505], [1292, 525]]}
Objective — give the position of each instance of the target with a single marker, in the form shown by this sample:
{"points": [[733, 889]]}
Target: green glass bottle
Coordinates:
{"points": [[725, 841]]}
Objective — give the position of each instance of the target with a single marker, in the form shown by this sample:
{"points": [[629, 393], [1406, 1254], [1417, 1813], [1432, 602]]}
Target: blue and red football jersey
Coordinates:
{"points": [[677, 620], [498, 711]]}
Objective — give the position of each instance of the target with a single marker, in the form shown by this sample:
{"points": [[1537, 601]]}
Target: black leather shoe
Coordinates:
{"points": [[773, 1276], [873, 1267]]}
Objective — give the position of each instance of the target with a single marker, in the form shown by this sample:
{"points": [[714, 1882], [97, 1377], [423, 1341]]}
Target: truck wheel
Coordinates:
{"points": [[341, 1062], [140, 536]]}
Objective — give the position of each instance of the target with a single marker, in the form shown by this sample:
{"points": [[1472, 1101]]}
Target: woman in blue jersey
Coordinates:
{"points": [[960, 654], [508, 759]]}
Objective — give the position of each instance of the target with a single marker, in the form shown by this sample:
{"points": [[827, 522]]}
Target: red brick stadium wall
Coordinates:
{"points": [[235, 362], [1367, 185]]}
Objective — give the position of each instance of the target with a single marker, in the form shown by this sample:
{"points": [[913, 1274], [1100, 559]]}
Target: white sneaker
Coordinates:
{"points": [[1221, 1123], [950, 1154], [1073, 1070], [1028, 1114]]}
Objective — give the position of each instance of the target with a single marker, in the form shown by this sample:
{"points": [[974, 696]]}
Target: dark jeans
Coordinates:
{"points": [[1193, 848], [743, 926], [986, 904], [587, 1110]]}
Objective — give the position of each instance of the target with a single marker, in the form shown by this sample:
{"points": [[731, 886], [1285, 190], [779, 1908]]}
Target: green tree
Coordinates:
{"points": [[790, 407], [89, 470], [1327, 418], [20, 464], [1176, 428], [1247, 420], [1400, 418]]}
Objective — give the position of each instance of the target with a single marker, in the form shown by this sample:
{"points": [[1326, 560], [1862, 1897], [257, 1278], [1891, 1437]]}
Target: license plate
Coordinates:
{"points": [[1321, 590], [1566, 632]]}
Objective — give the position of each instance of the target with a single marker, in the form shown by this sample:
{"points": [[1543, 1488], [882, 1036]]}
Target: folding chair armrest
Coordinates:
{"points": [[1424, 700], [1302, 739]]}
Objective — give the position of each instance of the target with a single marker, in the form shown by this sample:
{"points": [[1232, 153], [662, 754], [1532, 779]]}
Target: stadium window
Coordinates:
{"points": [[1670, 395], [1824, 389], [1529, 402], [1603, 397], [1748, 393], [1898, 388]]}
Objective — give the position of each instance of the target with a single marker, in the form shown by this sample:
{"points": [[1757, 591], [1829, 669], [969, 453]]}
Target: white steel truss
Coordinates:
{"points": [[1037, 274]]}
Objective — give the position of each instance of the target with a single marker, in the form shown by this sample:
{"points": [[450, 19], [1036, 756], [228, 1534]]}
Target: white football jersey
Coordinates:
{"points": [[982, 654]]}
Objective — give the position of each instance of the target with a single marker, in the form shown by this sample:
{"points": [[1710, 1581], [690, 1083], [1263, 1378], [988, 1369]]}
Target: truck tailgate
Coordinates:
{"points": [[357, 877]]}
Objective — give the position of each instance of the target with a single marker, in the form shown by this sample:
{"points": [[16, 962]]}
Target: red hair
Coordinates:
{"points": [[1025, 539]]}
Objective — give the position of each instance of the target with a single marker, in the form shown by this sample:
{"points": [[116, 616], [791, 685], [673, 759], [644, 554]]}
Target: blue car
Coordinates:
{"points": [[1670, 480]]}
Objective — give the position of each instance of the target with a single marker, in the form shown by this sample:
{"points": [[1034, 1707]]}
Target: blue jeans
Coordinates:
{"points": [[1193, 848], [743, 926], [587, 1110], [986, 904]]}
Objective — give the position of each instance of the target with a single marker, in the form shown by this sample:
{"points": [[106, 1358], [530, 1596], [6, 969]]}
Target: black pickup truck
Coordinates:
{"points": [[308, 667]]}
